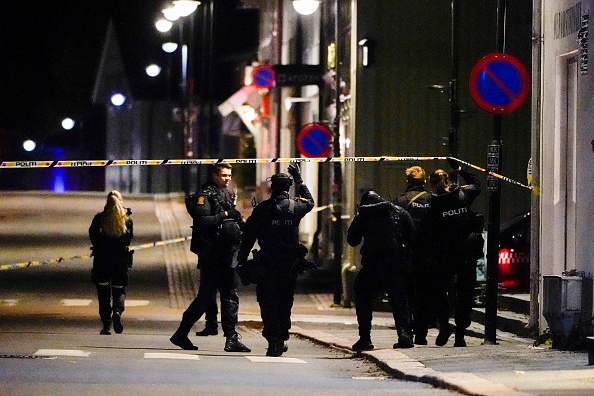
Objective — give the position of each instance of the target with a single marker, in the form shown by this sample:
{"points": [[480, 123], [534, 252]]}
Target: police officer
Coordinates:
{"points": [[415, 200], [215, 239], [274, 223], [384, 228], [449, 224]]}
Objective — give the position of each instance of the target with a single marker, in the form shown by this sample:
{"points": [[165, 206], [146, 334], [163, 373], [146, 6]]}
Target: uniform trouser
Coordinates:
{"points": [[275, 296], [419, 289], [215, 276], [383, 274], [108, 293], [463, 274], [211, 311]]}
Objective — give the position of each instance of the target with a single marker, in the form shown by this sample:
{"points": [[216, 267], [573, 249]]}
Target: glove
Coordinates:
{"points": [[294, 171], [234, 213], [453, 163]]}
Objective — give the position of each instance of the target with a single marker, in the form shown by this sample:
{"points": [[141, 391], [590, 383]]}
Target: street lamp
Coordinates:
{"points": [[117, 99], [153, 70], [67, 123], [177, 12], [306, 7], [29, 145]]}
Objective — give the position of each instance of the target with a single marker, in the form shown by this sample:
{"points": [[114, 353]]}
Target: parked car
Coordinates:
{"points": [[514, 255]]}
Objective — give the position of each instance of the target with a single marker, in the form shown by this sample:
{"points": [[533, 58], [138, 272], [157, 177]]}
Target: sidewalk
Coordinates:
{"points": [[511, 367]]}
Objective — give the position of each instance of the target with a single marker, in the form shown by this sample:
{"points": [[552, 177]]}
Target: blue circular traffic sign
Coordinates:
{"points": [[264, 76], [315, 140], [499, 83]]}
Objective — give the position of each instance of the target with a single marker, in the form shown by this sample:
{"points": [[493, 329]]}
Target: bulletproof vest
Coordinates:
{"points": [[281, 226]]}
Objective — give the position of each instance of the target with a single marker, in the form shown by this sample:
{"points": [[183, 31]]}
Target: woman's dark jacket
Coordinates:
{"points": [[110, 253]]}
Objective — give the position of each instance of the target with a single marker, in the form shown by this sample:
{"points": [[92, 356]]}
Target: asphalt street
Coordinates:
{"points": [[55, 299]]}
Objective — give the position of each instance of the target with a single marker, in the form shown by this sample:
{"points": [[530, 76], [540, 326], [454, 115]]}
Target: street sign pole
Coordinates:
{"points": [[494, 207], [337, 187]]}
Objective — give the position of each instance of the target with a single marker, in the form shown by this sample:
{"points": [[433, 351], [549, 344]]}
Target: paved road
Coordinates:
{"points": [[49, 326]]}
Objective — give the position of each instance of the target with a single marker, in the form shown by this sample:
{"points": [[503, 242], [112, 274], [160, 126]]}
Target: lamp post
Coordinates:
{"points": [[179, 11]]}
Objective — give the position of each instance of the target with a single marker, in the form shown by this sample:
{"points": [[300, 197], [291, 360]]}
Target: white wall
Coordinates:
{"points": [[567, 157]]}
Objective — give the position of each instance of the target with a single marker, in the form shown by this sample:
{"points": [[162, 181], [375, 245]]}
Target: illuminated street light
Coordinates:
{"points": [[171, 13], [29, 145], [185, 7], [118, 99], [153, 70], [306, 7], [169, 47], [67, 123], [163, 25]]}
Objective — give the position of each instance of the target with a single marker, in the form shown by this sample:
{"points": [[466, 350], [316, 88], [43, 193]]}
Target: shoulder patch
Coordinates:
{"points": [[200, 200]]}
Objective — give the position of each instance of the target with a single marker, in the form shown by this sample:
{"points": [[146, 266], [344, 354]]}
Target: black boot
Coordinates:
{"points": [[106, 328], [445, 331], [420, 339], [459, 338], [275, 347], [363, 344], [182, 341], [233, 344], [404, 340], [116, 318], [209, 329]]}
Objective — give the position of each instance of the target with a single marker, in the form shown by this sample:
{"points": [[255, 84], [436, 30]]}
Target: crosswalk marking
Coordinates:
{"points": [[72, 302], [182, 356], [61, 352], [271, 359], [137, 303]]}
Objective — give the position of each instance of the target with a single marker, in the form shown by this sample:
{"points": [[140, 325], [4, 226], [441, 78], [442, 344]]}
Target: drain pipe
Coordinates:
{"points": [[533, 322]]}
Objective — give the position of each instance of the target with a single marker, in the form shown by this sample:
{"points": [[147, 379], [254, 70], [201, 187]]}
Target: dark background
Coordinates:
{"points": [[50, 53]]}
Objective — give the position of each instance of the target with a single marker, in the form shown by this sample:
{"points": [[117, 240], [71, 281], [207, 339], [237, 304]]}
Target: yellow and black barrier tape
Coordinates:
{"points": [[197, 161], [85, 256], [211, 161], [497, 175]]}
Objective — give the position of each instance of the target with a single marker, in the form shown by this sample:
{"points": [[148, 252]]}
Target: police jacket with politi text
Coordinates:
{"points": [[273, 225], [449, 221]]}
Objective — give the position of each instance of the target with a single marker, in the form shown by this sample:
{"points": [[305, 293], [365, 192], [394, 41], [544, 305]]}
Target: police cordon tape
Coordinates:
{"points": [[211, 161], [28, 264]]}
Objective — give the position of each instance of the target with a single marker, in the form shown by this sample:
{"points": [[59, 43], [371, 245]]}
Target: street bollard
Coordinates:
{"points": [[590, 347]]}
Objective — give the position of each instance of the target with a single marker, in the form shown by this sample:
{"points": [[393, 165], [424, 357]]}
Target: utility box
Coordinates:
{"points": [[567, 307]]}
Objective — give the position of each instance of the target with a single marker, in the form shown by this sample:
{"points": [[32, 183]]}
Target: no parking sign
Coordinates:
{"points": [[499, 83], [315, 140]]}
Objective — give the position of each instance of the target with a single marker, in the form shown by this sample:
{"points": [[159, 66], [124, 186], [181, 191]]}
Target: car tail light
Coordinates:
{"points": [[505, 257]]}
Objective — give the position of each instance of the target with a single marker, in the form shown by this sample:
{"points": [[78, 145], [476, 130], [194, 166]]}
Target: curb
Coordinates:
{"points": [[403, 367]]}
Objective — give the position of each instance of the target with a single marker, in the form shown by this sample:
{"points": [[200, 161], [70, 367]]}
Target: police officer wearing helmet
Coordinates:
{"points": [[384, 228], [449, 226], [274, 223], [215, 239]]}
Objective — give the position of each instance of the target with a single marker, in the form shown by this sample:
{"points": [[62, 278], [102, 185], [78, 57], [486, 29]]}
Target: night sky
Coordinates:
{"points": [[49, 55]]}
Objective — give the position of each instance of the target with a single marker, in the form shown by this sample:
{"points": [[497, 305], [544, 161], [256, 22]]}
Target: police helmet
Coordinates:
{"points": [[281, 182], [370, 197]]}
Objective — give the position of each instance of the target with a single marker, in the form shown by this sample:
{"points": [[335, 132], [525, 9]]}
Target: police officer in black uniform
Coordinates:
{"points": [[385, 229], [415, 200], [274, 223], [449, 225], [215, 239]]}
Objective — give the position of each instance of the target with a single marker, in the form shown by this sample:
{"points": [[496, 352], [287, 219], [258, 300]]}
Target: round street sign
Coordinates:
{"points": [[499, 83], [263, 76], [315, 140]]}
